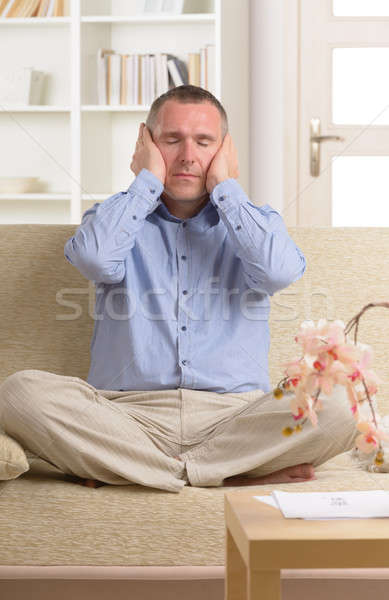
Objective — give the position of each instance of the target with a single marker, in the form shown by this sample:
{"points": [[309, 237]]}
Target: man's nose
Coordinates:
{"points": [[187, 152]]}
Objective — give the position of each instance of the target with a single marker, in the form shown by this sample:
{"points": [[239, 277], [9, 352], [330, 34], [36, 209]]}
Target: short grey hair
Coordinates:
{"points": [[186, 94]]}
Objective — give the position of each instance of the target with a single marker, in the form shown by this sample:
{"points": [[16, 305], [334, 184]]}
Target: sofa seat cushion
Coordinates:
{"points": [[48, 519]]}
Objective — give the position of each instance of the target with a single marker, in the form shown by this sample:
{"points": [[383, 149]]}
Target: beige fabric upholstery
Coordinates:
{"points": [[62, 523], [46, 306], [46, 518], [13, 460]]}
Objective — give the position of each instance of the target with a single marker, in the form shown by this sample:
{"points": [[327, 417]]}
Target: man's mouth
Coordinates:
{"points": [[184, 175]]}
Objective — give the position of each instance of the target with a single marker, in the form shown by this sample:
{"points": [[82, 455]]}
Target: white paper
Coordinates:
{"points": [[333, 505], [268, 500]]}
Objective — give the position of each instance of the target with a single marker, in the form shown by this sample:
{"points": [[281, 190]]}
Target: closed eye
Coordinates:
{"points": [[199, 143]]}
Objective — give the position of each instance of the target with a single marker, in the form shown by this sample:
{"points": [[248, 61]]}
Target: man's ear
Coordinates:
{"points": [[150, 131]]}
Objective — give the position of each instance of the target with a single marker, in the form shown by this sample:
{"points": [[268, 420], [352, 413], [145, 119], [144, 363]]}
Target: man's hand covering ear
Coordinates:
{"points": [[147, 155], [224, 164]]}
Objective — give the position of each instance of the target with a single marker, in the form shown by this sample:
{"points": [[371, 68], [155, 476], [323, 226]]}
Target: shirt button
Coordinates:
{"points": [[185, 292], [134, 216], [152, 191], [183, 328], [238, 227], [184, 362], [183, 257], [221, 198]]}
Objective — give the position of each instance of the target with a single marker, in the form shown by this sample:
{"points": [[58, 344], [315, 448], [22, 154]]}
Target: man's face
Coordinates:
{"points": [[188, 137]]}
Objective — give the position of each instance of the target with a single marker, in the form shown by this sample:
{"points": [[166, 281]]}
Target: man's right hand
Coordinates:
{"points": [[147, 155]]}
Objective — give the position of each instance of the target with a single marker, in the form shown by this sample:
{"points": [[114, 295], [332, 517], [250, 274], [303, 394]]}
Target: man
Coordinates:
{"points": [[178, 390]]}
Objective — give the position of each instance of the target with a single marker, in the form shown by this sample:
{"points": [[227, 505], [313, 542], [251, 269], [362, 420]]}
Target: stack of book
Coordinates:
{"points": [[31, 8], [140, 78], [167, 6]]}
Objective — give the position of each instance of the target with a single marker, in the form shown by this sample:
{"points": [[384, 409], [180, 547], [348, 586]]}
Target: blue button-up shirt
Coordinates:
{"points": [[182, 302]]}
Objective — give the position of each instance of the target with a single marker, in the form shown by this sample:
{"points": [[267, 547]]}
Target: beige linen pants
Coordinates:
{"points": [[165, 439]]}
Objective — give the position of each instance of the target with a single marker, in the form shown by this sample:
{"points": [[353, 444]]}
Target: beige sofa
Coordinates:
{"points": [[64, 540]]}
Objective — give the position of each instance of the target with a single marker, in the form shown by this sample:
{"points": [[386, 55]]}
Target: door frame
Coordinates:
{"points": [[291, 114]]}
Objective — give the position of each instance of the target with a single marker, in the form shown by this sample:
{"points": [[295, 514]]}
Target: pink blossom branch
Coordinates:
{"points": [[354, 322]]}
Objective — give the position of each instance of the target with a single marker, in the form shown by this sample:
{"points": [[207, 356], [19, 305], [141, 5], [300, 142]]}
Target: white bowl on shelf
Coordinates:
{"points": [[17, 185]]}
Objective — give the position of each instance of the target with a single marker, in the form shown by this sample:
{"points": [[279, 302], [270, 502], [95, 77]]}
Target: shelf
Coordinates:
{"points": [[36, 196], [54, 196], [61, 140], [153, 19], [35, 108], [84, 108], [97, 197], [35, 21], [114, 108]]}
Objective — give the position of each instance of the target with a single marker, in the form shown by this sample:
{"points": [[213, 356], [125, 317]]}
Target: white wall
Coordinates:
{"points": [[266, 106]]}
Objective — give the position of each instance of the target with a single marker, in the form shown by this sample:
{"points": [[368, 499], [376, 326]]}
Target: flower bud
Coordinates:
{"points": [[379, 458], [287, 431], [278, 393]]}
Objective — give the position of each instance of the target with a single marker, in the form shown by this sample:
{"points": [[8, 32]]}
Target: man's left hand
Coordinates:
{"points": [[224, 164]]}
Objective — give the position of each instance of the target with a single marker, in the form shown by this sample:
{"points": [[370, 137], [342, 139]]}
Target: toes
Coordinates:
{"points": [[92, 483], [304, 471]]}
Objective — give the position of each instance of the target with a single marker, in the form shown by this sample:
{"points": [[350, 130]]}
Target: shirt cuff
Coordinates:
{"points": [[147, 185], [230, 198], [228, 195]]}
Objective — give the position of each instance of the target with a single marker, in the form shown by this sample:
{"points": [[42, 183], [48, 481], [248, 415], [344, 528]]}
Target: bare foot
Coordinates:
{"points": [[93, 483], [297, 473]]}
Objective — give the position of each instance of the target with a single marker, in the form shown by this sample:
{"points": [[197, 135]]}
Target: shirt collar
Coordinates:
{"points": [[206, 218]]}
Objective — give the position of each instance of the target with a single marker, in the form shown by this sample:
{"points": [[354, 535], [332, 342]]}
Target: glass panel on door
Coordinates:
{"points": [[360, 191], [361, 8], [360, 90]]}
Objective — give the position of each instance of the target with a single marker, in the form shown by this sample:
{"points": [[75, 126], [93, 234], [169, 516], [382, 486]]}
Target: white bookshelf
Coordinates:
{"points": [[82, 151]]}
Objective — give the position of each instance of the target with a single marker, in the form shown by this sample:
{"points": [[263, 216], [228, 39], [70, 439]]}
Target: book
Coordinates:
{"points": [[50, 9], [3, 5], [165, 73], [194, 68], [203, 68], [59, 9], [174, 7], [181, 68], [176, 77], [102, 87], [143, 89], [28, 9], [153, 6], [123, 81], [42, 12], [14, 8], [114, 62], [152, 78], [138, 79], [211, 68], [158, 73]]}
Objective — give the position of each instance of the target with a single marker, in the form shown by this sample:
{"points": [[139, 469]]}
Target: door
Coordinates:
{"points": [[343, 113]]}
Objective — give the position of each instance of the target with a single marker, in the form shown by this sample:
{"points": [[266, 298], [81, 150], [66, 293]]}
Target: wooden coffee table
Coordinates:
{"points": [[260, 542]]}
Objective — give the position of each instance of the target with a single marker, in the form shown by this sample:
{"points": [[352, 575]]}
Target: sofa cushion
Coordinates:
{"points": [[13, 460], [48, 519]]}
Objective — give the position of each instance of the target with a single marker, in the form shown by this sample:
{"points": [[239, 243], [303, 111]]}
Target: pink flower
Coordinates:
{"points": [[296, 371], [301, 405], [313, 338], [325, 378], [359, 370], [369, 438], [353, 399]]}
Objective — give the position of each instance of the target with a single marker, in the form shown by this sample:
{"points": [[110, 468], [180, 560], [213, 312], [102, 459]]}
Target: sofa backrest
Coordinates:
{"points": [[47, 306]]}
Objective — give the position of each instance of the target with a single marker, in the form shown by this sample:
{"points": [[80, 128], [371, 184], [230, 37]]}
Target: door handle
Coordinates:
{"points": [[314, 141]]}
